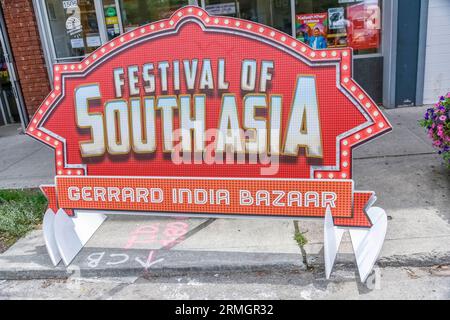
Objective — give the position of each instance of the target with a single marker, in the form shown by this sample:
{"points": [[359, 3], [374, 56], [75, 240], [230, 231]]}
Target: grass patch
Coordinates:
{"points": [[20, 211]]}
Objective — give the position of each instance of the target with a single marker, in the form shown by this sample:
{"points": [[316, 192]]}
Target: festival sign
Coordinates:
{"points": [[201, 116]]}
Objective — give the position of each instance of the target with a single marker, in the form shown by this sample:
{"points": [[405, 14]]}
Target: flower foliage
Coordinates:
{"points": [[437, 122]]}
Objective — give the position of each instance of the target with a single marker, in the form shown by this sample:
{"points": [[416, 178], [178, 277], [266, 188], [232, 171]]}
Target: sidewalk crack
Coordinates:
{"points": [[301, 240], [396, 156], [20, 160]]}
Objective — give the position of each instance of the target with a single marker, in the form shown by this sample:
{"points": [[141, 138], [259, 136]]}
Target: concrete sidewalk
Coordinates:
{"points": [[24, 162], [403, 169]]}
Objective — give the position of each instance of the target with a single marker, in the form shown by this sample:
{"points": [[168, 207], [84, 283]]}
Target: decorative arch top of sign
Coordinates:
{"points": [[285, 71]]}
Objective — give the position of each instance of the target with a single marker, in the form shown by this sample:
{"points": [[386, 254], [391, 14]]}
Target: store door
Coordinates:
{"points": [[11, 100], [113, 20], [8, 108]]}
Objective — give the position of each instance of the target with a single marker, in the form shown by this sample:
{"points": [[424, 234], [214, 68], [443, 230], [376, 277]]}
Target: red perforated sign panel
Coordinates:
{"points": [[114, 114]]}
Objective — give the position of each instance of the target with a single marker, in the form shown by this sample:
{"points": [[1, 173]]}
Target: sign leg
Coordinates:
{"points": [[48, 227], [367, 244], [332, 240], [72, 233]]}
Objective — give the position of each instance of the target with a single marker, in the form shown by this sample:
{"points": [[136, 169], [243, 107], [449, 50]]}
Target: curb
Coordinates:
{"points": [[62, 274], [418, 260], [21, 274], [345, 261]]}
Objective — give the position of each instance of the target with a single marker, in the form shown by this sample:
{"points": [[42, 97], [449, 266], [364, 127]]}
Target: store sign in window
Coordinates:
{"points": [[223, 9], [70, 4], [73, 22]]}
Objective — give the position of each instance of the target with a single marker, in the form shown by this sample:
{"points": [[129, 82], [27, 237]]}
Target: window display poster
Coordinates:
{"points": [[364, 26], [222, 9], [73, 22], [336, 18], [93, 41], [111, 17], [112, 20], [312, 29], [77, 43]]}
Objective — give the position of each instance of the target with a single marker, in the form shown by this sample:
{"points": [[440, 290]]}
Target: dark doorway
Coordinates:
{"points": [[12, 107], [9, 112]]}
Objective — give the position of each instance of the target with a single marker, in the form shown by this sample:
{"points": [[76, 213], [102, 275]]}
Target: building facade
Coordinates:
{"points": [[401, 47]]}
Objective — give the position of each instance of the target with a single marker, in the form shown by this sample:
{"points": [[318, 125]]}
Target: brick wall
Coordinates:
{"points": [[26, 47]]}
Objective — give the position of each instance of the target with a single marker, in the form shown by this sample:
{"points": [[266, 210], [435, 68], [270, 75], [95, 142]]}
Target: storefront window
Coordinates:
{"points": [[139, 12], [340, 23], [275, 13], [74, 27], [112, 20]]}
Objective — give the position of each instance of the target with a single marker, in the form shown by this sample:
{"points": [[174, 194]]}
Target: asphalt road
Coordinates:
{"points": [[387, 283]]}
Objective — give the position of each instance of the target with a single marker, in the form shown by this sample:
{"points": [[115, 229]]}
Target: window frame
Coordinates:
{"points": [[380, 53], [48, 46]]}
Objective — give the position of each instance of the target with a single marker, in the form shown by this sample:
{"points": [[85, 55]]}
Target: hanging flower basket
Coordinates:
{"points": [[437, 122]]}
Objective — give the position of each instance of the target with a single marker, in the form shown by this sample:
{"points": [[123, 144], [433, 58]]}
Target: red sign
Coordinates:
{"points": [[208, 115]]}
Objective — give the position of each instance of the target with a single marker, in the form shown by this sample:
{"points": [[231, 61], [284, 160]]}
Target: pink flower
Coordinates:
{"points": [[442, 118]]}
